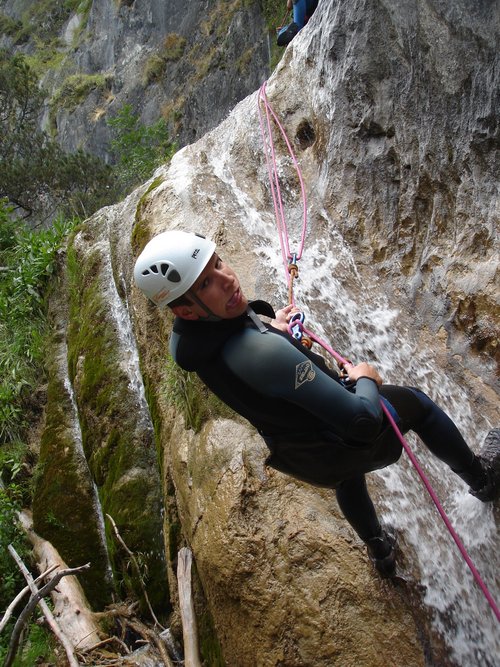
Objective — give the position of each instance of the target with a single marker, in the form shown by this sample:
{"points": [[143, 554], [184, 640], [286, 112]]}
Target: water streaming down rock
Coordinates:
{"points": [[353, 309], [371, 268]]}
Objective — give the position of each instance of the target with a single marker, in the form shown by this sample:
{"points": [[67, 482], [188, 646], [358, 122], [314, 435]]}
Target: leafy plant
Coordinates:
{"points": [[138, 148], [27, 259], [10, 578]]}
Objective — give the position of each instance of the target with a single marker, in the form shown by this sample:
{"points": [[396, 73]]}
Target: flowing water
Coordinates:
{"points": [[351, 311], [77, 440]]}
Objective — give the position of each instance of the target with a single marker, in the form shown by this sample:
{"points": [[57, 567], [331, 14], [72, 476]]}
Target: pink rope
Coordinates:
{"points": [[424, 479], [286, 255], [267, 136]]}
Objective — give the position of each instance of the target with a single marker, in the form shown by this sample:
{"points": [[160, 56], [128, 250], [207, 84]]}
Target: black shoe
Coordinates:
{"points": [[382, 552], [286, 34], [489, 459]]}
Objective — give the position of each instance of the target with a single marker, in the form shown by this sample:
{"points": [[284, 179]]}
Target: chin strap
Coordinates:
{"points": [[211, 317]]}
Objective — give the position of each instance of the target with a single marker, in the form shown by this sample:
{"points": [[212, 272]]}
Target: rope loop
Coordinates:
{"points": [[296, 324]]}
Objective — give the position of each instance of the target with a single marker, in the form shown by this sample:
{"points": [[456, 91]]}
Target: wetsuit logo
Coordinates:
{"points": [[304, 372]]}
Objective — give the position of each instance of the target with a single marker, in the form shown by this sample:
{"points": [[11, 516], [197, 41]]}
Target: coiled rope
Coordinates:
{"points": [[291, 259]]}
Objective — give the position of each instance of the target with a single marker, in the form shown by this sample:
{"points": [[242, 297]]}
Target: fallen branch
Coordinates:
{"points": [[19, 597], [152, 638], [137, 569], [74, 616], [189, 630], [36, 597]]}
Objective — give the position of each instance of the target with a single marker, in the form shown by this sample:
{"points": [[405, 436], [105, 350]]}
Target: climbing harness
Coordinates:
{"points": [[307, 337]]}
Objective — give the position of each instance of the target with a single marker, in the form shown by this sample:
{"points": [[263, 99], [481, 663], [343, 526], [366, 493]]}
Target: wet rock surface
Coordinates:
{"points": [[386, 105]]}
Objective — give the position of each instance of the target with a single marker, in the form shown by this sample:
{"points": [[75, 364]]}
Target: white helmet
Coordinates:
{"points": [[170, 264]]}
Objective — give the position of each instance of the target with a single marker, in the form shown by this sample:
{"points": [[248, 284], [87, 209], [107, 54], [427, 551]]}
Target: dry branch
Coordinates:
{"points": [[189, 630], [36, 597], [137, 569], [71, 608]]}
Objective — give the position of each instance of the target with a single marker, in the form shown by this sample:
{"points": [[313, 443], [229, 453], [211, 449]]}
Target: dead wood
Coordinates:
{"points": [[189, 629], [36, 597]]}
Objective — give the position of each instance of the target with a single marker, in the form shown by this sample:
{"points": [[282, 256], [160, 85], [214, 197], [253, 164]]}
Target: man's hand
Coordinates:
{"points": [[283, 317], [362, 370], [289, 4]]}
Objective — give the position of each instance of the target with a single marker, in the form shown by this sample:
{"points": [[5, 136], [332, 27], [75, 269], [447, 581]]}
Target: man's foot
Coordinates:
{"points": [[382, 552], [286, 34], [489, 459]]}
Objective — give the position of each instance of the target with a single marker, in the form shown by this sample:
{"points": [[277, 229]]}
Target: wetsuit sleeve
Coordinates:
{"points": [[276, 368]]}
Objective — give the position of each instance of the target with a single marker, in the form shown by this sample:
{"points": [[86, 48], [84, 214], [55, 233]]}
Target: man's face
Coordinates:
{"points": [[219, 289]]}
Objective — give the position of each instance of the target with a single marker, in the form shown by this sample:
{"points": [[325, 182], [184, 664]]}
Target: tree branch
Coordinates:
{"points": [[36, 597], [189, 630], [137, 568], [20, 595]]}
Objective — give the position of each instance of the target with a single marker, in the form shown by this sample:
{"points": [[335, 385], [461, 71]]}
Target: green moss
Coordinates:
{"points": [[63, 505], [76, 88], [141, 233], [189, 395], [210, 648], [174, 540], [120, 453]]}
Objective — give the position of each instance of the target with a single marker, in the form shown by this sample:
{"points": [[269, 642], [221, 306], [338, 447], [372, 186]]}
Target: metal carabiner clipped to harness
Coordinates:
{"points": [[296, 329]]}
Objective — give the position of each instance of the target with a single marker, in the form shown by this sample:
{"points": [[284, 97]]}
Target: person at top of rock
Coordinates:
{"points": [[302, 12], [319, 427]]}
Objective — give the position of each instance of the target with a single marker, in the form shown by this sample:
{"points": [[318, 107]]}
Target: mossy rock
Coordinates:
{"points": [[117, 439]]}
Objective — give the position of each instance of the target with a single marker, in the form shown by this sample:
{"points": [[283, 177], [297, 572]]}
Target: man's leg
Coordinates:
{"points": [[357, 507], [299, 13], [419, 413]]}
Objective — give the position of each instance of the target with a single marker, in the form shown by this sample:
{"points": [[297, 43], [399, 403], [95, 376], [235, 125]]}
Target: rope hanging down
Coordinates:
{"points": [[297, 324], [290, 260]]}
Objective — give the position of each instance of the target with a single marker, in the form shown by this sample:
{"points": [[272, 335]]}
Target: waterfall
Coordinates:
{"points": [[77, 440], [345, 306]]}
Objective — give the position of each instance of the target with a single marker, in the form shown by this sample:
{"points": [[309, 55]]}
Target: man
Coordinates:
{"points": [[318, 427], [302, 12]]}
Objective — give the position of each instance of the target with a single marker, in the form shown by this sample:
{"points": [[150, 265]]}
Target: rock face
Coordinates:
{"points": [[391, 110], [189, 62]]}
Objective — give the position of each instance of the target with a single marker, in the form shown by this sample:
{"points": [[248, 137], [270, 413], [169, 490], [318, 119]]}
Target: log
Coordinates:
{"points": [[189, 629], [71, 608], [35, 599]]}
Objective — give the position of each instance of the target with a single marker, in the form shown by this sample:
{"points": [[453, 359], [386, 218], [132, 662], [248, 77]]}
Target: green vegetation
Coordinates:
{"points": [[37, 178], [76, 89], [39, 23], [27, 260], [138, 149], [156, 65], [276, 15], [189, 395]]}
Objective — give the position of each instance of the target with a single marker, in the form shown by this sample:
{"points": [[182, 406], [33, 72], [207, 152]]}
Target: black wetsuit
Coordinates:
{"points": [[317, 429]]}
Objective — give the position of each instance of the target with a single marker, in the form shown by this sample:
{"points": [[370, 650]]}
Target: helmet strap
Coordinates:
{"points": [[211, 317]]}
